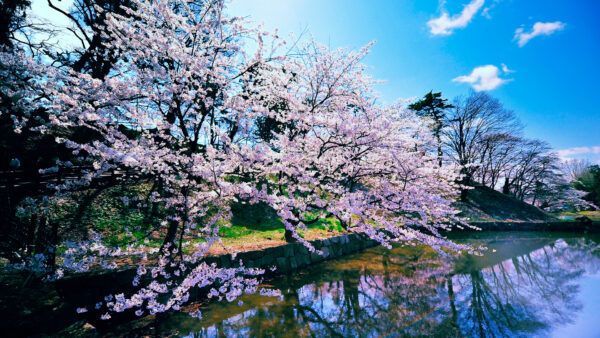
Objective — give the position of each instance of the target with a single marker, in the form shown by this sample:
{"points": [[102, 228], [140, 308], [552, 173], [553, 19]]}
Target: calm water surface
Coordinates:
{"points": [[527, 284]]}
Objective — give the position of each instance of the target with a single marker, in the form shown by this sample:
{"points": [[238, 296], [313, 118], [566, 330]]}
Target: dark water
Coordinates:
{"points": [[527, 284]]}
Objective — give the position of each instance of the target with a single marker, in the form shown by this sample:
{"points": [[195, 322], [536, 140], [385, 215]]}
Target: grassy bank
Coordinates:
{"points": [[113, 214], [487, 205], [592, 215]]}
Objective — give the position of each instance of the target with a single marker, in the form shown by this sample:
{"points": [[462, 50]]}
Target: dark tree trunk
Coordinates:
{"points": [[506, 187], [169, 242], [288, 237], [464, 194], [53, 242]]}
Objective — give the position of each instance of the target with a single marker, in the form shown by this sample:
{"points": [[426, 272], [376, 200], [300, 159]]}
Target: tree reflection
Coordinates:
{"points": [[526, 294], [415, 292]]}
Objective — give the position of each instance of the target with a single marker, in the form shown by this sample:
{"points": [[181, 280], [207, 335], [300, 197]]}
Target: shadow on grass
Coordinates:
{"points": [[260, 217]]}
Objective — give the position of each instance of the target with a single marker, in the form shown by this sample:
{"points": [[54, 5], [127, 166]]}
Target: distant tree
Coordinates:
{"points": [[589, 181], [498, 155], [433, 107], [474, 119], [576, 169], [533, 163], [536, 175]]}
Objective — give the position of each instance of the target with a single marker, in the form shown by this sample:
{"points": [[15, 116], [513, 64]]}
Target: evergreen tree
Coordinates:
{"points": [[434, 107]]}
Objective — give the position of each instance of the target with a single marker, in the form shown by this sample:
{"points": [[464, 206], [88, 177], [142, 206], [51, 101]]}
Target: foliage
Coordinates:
{"points": [[433, 107]]}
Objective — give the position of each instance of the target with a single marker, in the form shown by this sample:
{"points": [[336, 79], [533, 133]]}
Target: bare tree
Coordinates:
{"points": [[498, 155], [474, 119], [576, 168], [534, 163]]}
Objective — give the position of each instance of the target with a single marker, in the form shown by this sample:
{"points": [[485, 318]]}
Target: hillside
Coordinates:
{"points": [[486, 204]]}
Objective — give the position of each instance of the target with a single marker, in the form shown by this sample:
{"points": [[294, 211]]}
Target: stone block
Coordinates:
{"points": [[244, 256], [300, 250], [315, 257], [225, 261], [303, 260], [283, 265], [266, 261], [276, 251], [318, 244], [255, 255], [293, 263], [211, 259], [288, 250]]}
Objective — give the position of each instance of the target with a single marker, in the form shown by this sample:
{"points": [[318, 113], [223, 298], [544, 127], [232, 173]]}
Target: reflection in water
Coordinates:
{"points": [[526, 284]]}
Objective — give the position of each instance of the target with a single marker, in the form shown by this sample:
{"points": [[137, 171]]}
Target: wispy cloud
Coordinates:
{"points": [[446, 24], [483, 78], [506, 70], [595, 150], [539, 28], [486, 13]]}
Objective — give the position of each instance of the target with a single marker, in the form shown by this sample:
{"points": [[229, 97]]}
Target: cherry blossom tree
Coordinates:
{"points": [[179, 109], [346, 156]]}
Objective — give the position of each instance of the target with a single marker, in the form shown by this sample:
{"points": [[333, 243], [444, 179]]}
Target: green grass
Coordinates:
{"points": [[593, 215], [108, 215]]}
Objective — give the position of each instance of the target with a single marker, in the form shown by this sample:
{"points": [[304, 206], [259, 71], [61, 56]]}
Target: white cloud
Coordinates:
{"points": [[444, 25], [565, 153], [506, 70], [539, 28], [486, 13], [591, 153], [483, 78]]}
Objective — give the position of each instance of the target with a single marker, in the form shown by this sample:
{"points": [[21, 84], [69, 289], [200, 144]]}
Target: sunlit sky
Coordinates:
{"points": [[540, 58]]}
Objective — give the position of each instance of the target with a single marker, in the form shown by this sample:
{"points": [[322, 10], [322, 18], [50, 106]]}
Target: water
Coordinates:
{"points": [[527, 284]]}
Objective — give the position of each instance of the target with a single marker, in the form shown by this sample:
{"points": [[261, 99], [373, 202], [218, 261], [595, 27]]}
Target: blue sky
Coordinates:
{"points": [[554, 85], [553, 67]]}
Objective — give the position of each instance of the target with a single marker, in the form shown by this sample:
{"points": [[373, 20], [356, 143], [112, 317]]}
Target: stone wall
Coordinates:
{"points": [[89, 288], [288, 257]]}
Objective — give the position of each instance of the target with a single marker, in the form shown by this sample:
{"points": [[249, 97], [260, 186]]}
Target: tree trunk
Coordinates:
{"points": [[53, 242], [288, 237], [169, 242], [464, 194], [440, 154], [30, 241], [506, 187]]}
